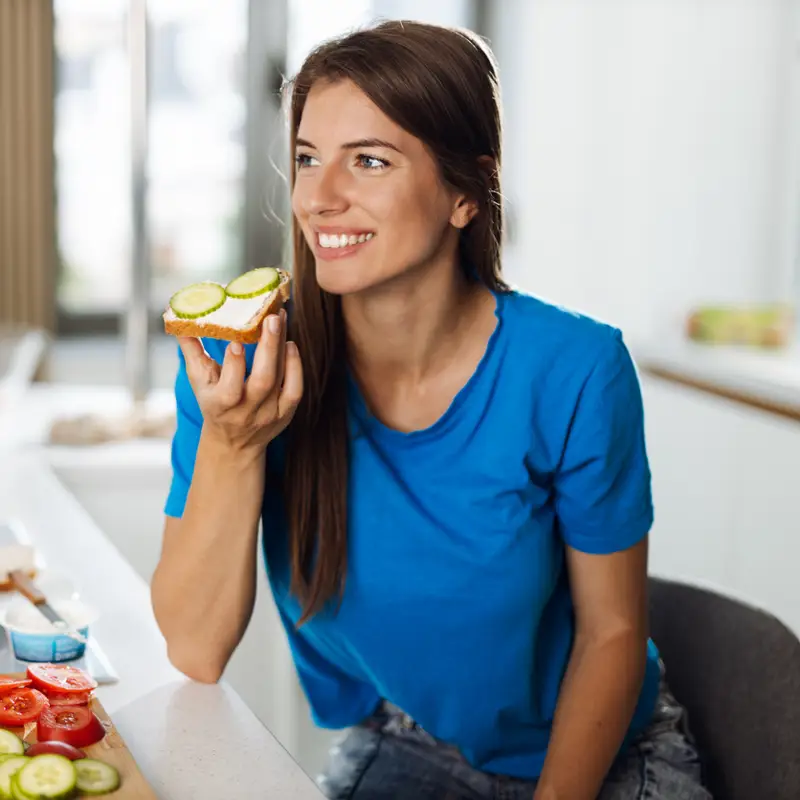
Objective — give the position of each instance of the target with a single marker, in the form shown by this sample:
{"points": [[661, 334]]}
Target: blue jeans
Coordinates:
{"points": [[390, 756]]}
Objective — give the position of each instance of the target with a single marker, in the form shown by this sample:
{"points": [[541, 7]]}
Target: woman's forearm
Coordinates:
{"points": [[595, 707], [203, 590]]}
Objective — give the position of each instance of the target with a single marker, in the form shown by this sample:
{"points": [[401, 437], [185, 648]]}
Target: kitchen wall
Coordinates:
{"points": [[651, 152]]}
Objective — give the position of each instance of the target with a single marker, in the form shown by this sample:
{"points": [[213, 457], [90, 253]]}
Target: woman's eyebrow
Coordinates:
{"points": [[372, 142]]}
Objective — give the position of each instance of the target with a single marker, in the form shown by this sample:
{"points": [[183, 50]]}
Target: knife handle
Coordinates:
{"points": [[26, 587]]}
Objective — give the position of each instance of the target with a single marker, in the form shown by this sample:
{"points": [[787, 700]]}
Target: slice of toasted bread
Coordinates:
{"points": [[235, 320]]}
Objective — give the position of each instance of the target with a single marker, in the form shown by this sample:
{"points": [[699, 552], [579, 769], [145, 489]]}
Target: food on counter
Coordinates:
{"points": [[7, 682], [61, 678], [54, 777], [18, 707], [34, 638], [11, 744], [45, 777], [8, 768], [75, 725], [69, 698], [760, 326], [234, 312], [55, 767], [55, 749], [20, 557], [96, 777]]}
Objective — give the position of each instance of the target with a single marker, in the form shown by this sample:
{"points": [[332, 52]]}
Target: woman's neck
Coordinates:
{"points": [[407, 329]]}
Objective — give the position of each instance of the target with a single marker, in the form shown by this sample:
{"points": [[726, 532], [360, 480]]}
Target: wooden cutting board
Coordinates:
{"points": [[112, 750]]}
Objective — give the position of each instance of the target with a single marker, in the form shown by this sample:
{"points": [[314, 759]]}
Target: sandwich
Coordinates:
{"points": [[235, 312]]}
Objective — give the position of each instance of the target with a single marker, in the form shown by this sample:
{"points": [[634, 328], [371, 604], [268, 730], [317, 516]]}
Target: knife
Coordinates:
{"points": [[26, 587]]}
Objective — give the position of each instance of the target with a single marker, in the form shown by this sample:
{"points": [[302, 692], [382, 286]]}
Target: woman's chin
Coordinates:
{"points": [[341, 281]]}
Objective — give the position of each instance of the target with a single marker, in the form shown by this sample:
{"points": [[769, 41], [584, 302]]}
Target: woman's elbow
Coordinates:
{"points": [[195, 667]]}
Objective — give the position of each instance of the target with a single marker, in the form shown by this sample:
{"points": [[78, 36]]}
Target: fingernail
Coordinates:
{"points": [[274, 324], [236, 348], [283, 315], [291, 349]]}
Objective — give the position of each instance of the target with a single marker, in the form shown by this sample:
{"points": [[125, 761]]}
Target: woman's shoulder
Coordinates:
{"points": [[547, 331]]}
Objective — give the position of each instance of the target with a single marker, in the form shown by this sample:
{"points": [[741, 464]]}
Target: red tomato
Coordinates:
{"points": [[55, 748], [75, 725], [69, 698], [60, 678], [21, 706], [7, 683]]}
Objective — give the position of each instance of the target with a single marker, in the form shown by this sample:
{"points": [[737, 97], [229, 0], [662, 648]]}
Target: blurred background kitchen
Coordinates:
{"points": [[652, 179]]}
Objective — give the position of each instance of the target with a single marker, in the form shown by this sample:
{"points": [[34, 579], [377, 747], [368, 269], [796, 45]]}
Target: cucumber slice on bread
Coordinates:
{"points": [[256, 295], [253, 283], [197, 300]]}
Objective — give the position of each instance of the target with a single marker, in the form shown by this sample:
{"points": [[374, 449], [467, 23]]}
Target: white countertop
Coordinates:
{"points": [[190, 740], [768, 377]]}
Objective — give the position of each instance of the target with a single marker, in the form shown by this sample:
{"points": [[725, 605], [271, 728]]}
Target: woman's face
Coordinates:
{"points": [[368, 195]]}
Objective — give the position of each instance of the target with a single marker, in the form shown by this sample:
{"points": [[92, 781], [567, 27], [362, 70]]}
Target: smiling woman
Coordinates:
{"points": [[452, 476]]}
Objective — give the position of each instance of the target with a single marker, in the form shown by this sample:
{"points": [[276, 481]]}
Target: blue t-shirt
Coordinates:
{"points": [[457, 607]]}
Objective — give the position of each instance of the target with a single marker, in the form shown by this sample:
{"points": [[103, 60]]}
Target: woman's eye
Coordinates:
{"points": [[304, 160], [371, 162]]}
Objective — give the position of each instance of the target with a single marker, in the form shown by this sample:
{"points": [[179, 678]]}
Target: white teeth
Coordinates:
{"points": [[342, 240]]}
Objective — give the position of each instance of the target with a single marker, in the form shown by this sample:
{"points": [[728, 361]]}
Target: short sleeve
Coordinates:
{"points": [[603, 497], [185, 441]]}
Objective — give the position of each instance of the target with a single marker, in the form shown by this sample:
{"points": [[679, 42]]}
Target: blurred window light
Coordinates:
{"points": [[311, 22], [196, 147]]}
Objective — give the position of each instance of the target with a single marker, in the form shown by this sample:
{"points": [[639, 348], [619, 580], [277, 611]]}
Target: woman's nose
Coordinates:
{"points": [[325, 191]]}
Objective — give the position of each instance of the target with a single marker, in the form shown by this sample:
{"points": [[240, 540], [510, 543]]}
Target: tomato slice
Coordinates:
{"points": [[7, 683], [69, 698], [21, 706], [75, 725], [56, 749], [60, 678]]}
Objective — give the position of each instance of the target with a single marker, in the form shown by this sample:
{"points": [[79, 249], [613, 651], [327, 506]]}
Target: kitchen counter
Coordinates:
{"points": [[190, 740], [761, 379]]}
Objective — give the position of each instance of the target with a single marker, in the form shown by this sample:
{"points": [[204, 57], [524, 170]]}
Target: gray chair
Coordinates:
{"points": [[737, 671]]}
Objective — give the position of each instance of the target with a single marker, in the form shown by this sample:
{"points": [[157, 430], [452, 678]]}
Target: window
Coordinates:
{"points": [[196, 147]]}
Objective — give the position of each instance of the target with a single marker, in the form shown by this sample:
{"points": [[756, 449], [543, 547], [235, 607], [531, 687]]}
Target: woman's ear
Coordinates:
{"points": [[464, 212], [465, 209]]}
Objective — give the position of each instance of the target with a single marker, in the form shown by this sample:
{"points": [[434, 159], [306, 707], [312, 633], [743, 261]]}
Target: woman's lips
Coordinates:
{"points": [[327, 252]]}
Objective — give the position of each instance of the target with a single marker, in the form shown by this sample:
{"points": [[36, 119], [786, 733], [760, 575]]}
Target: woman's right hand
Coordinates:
{"points": [[247, 414]]}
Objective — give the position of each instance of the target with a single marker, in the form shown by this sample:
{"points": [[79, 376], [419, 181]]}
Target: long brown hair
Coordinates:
{"points": [[440, 85]]}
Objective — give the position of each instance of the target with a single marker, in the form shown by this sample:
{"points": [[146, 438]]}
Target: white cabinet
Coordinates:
{"points": [[725, 485]]}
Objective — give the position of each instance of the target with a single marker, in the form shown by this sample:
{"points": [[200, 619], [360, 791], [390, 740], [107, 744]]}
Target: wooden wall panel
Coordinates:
{"points": [[27, 194]]}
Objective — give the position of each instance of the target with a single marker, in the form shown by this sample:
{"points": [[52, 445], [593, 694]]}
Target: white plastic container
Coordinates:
{"points": [[34, 638]]}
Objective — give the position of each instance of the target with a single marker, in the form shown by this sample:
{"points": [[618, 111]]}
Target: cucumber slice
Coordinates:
{"points": [[47, 777], [9, 767], [16, 794], [197, 300], [96, 777], [253, 283], [9, 743]]}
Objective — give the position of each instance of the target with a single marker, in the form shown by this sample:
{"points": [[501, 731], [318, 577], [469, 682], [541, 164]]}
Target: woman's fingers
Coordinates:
{"points": [[264, 376], [201, 369], [231, 379], [292, 391]]}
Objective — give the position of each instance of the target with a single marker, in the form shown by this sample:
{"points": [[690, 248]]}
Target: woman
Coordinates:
{"points": [[454, 486]]}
